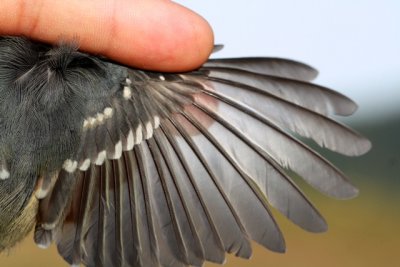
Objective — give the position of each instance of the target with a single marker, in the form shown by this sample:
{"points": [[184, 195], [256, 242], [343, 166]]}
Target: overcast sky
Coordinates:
{"points": [[354, 44]]}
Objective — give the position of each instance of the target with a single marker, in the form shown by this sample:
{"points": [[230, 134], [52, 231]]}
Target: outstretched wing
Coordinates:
{"points": [[181, 168]]}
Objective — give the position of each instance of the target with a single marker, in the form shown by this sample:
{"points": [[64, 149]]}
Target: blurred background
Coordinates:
{"points": [[356, 47]]}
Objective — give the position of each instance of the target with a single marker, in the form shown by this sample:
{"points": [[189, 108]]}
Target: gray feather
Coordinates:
{"points": [[166, 169], [211, 147], [279, 67], [308, 95]]}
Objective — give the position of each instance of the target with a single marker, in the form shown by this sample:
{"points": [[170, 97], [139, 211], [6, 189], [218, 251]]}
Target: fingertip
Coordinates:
{"points": [[199, 42], [163, 36]]}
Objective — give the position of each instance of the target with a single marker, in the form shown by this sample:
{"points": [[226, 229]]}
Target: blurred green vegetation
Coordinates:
{"points": [[363, 232]]}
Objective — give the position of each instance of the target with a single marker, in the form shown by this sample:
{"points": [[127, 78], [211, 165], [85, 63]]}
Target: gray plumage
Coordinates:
{"points": [[125, 167]]}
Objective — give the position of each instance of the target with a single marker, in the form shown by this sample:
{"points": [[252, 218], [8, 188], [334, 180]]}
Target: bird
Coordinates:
{"points": [[120, 166]]}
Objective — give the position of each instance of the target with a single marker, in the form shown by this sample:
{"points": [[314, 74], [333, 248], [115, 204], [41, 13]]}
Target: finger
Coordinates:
{"points": [[150, 34]]}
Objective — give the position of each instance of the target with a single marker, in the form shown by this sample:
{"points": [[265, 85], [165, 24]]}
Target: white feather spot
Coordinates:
{"points": [[85, 165], [149, 130], [108, 112], [130, 142], [162, 78], [138, 134], [85, 124], [100, 118], [70, 165], [41, 193], [48, 226], [92, 122], [43, 245], [128, 81], [156, 122], [118, 151], [127, 93], [100, 158], [4, 174]]}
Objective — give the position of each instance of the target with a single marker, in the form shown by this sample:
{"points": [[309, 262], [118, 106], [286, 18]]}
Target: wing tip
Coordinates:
{"points": [[313, 72], [365, 145], [345, 192], [361, 147], [347, 107], [279, 246], [308, 72], [217, 48], [318, 226]]}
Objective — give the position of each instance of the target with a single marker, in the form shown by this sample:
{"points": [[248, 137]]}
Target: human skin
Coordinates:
{"points": [[149, 34]]}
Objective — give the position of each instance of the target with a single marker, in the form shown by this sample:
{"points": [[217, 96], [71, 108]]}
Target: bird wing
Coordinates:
{"points": [[181, 168]]}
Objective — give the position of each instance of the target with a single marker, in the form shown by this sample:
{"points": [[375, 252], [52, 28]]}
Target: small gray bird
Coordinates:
{"points": [[125, 167]]}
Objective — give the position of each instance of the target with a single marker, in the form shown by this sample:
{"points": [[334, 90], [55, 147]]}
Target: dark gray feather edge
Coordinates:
{"points": [[221, 190], [335, 171], [69, 246], [153, 239], [163, 97], [341, 104], [230, 249], [181, 254], [319, 225], [217, 253], [345, 184], [285, 68], [279, 246], [360, 145], [187, 137], [193, 237], [168, 243]]}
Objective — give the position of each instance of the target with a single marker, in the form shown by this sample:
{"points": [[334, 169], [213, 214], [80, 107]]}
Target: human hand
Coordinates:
{"points": [[150, 34]]}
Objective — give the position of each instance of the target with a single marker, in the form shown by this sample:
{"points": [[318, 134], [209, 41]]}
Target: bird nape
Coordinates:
{"points": [[125, 167]]}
